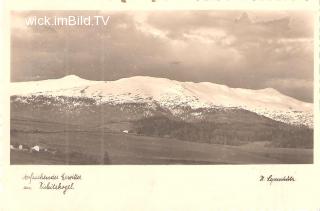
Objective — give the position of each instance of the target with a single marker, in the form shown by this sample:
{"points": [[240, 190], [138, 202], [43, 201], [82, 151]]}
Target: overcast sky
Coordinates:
{"points": [[247, 49]]}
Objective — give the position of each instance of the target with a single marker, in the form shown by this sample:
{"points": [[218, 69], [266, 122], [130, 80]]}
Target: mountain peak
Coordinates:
{"points": [[72, 77]]}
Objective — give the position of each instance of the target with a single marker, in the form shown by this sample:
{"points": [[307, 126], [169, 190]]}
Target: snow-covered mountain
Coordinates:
{"points": [[169, 94]]}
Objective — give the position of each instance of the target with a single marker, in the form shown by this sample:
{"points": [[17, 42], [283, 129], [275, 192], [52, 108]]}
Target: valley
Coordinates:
{"points": [[77, 145]]}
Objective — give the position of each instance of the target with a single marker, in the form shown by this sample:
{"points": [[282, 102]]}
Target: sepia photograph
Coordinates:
{"points": [[187, 87]]}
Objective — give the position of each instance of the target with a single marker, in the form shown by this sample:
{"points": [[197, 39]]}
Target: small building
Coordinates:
{"points": [[14, 146], [125, 131], [35, 148], [23, 147]]}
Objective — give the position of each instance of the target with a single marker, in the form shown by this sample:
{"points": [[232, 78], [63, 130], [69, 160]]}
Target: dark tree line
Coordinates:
{"points": [[233, 133]]}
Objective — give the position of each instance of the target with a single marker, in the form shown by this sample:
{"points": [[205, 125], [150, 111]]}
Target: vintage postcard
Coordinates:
{"points": [[160, 105]]}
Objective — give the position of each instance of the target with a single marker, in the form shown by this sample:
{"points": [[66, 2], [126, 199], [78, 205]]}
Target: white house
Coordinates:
{"points": [[35, 148]]}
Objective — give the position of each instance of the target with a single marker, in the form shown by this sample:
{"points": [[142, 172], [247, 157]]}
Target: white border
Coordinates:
{"points": [[173, 187]]}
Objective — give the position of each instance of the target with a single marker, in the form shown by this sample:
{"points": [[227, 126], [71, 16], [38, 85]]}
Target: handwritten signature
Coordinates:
{"points": [[271, 178]]}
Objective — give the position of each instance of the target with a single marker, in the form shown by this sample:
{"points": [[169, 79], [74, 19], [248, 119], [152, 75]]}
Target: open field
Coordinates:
{"points": [[76, 145]]}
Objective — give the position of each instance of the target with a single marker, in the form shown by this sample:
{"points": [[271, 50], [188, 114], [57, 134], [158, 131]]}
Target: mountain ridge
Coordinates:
{"points": [[172, 95]]}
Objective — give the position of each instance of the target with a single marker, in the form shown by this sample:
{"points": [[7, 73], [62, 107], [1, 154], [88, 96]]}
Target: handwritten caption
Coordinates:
{"points": [[273, 179], [54, 182]]}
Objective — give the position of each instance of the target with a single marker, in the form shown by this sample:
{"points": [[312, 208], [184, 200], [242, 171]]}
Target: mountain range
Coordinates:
{"points": [[140, 97]]}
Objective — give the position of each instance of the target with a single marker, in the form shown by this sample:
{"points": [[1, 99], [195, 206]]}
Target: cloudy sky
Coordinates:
{"points": [[246, 49]]}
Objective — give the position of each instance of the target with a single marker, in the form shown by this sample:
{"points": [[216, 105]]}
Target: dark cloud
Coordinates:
{"points": [[251, 50]]}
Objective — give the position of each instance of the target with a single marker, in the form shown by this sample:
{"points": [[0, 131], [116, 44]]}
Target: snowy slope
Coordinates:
{"points": [[172, 94]]}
